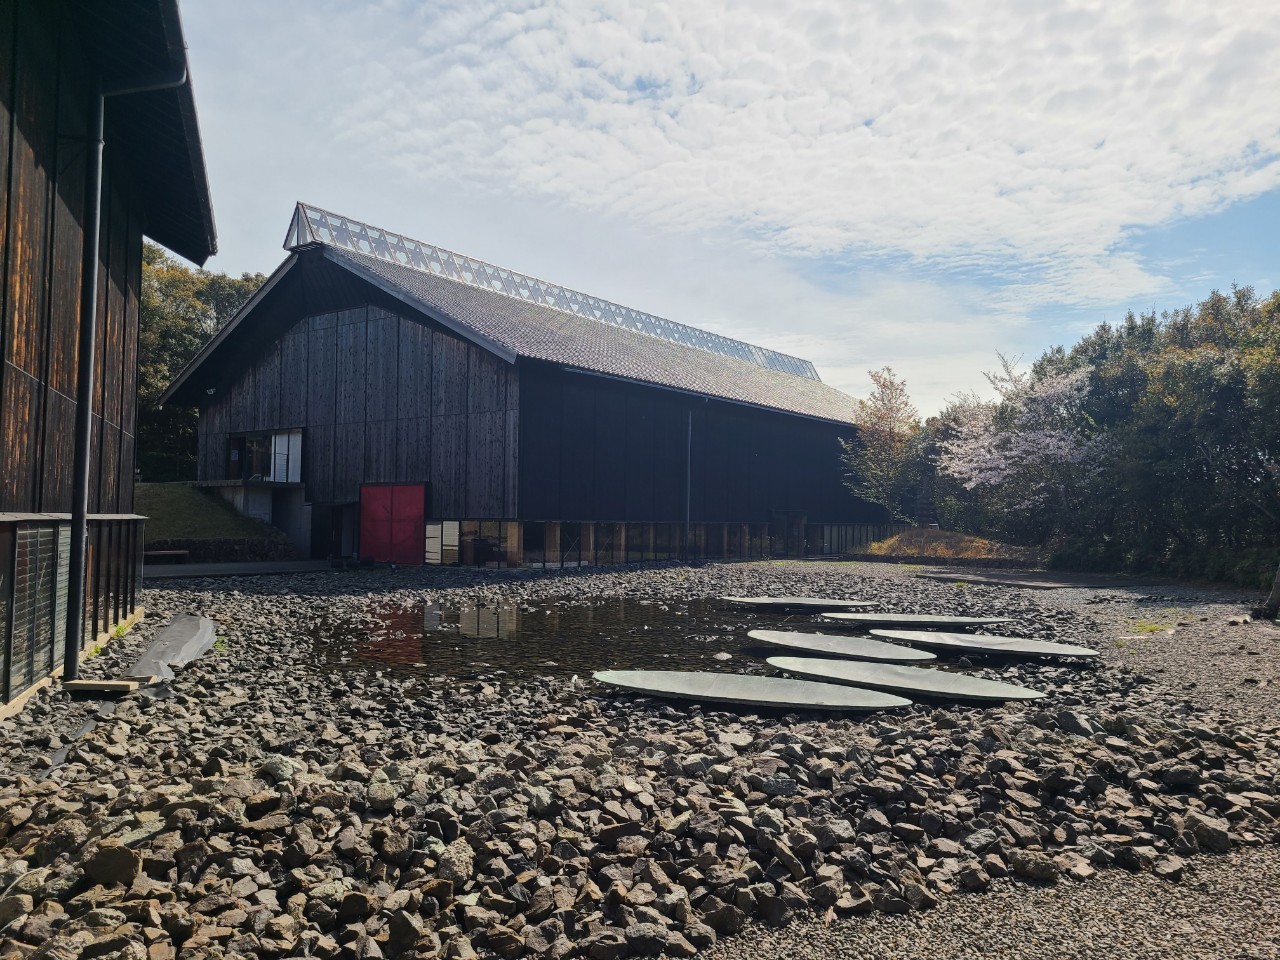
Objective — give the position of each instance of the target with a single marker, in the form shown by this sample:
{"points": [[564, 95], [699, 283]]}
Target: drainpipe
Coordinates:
{"points": [[688, 483], [88, 336]]}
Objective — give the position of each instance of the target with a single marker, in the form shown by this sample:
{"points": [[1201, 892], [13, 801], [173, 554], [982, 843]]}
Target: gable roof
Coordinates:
{"points": [[543, 333], [514, 327]]}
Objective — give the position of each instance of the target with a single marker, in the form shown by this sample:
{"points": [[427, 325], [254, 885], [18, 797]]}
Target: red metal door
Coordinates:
{"points": [[392, 522]]}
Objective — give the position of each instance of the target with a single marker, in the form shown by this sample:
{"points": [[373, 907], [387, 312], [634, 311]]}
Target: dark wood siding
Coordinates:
{"points": [[599, 450], [44, 98], [381, 398]]}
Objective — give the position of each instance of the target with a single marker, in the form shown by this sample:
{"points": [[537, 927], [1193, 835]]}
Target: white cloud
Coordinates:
{"points": [[957, 166], [948, 133]]}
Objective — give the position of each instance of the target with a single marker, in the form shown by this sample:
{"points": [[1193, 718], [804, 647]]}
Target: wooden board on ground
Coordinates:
{"points": [[977, 643], [110, 687], [856, 648], [746, 691], [807, 604], [928, 621], [919, 681]]}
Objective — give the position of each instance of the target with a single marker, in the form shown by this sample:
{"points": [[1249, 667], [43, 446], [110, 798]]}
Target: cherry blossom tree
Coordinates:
{"points": [[1033, 448]]}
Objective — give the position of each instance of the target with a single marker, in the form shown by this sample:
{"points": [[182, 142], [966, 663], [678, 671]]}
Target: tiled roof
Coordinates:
{"points": [[530, 330]]}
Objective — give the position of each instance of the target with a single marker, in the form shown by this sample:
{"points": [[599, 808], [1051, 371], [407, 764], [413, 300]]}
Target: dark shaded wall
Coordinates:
{"points": [[44, 108], [380, 398], [602, 450]]}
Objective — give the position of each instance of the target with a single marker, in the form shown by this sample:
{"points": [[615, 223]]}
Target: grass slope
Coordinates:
{"points": [[947, 544], [177, 511]]}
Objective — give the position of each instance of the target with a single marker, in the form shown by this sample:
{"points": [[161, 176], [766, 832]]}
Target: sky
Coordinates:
{"points": [[919, 184]]}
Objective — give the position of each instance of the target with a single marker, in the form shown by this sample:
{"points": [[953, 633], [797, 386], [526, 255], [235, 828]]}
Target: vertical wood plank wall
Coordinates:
{"points": [[44, 95], [380, 398], [598, 450]]}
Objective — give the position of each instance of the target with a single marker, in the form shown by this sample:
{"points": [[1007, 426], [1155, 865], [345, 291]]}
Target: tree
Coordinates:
{"points": [[882, 464], [180, 309], [1032, 450], [1152, 444]]}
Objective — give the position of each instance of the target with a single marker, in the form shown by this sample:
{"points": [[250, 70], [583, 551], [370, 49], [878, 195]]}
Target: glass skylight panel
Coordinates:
{"points": [[313, 225]]}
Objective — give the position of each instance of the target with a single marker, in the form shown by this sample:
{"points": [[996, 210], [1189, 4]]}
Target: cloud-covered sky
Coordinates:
{"points": [[917, 184]]}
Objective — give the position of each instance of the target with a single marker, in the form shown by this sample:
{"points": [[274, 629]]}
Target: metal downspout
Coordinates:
{"points": [[85, 374], [688, 483]]}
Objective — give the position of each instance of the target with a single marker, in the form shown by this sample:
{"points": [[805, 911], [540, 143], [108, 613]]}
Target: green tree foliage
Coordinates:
{"points": [[180, 309], [1170, 445], [883, 463]]}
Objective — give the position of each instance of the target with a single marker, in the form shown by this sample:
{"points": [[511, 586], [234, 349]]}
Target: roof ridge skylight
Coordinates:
{"points": [[314, 225]]}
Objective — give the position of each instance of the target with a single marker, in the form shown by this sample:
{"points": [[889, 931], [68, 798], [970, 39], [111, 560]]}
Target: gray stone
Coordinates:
{"points": [[981, 840], [279, 769]]}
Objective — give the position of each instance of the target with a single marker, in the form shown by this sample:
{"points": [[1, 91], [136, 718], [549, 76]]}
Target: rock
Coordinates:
{"points": [[1033, 865], [700, 935], [1181, 775], [918, 896], [1074, 866], [279, 769], [833, 832], [981, 840], [457, 863], [356, 905], [405, 928], [381, 794], [1169, 868], [973, 877], [1210, 833], [505, 942], [609, 945], [11, 908], [59, 948], [113, 865], [874, 821], [723, 918], [1073, 722], [539, 799], [646, 939], [678, 946], [773, 910], [459, 948]]}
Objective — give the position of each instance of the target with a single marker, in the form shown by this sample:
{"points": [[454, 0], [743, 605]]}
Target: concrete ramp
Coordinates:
{"points": [[185, 638]]}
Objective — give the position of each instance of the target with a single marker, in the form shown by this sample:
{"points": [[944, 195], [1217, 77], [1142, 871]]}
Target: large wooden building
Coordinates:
{"points": [[65, 67], [384, 397]]}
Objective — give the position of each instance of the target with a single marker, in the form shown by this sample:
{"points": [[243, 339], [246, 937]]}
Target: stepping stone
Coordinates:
{"points": [[746, 691], [921, 681], [857, 648]]}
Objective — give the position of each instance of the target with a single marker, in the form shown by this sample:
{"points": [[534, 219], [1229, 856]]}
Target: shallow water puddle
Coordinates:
{"points": [[559, 638]]}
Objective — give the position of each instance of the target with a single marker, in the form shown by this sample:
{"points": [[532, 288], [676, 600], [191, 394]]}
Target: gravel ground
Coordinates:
{"points": [[278, 800], [1227, 907]]}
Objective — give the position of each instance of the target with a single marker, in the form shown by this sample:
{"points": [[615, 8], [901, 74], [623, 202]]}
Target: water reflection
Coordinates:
{"points": [[563, 638], [478, 623]]}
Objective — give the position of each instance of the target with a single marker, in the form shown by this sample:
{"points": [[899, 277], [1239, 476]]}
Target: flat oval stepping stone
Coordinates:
{"points": [[940, 684], [811, 604], [857, 648], [860, 621], [977, 643], [746, 691]]}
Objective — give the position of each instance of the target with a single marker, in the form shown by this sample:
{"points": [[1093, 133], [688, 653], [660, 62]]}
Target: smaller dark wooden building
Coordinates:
{"points": [[384, 397], [56, 57]]}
